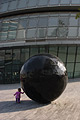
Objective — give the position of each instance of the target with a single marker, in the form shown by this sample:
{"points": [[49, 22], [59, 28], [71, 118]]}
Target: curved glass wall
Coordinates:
{"points": [[40, 26], [11, 5], [12, 59]]}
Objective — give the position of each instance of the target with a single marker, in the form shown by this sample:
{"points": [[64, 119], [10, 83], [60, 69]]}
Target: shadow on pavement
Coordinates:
{"points": [[11, 106]]}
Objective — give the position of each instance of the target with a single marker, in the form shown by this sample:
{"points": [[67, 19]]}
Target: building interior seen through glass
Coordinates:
{"points": [[11, 60], [39, 26]]}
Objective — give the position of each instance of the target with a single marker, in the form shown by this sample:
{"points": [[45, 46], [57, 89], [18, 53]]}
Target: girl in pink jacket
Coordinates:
{"points": [[18, 95]]}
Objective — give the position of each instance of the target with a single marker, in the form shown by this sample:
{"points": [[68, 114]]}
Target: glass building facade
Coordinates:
{"points": [[29, 27]]}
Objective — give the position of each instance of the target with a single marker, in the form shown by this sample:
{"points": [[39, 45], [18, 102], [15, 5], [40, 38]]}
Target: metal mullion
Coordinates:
{"points": [[75, 61], [66, 57]]}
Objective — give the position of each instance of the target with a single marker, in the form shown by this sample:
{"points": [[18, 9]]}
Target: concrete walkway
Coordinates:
{"points": [[66, 107]]}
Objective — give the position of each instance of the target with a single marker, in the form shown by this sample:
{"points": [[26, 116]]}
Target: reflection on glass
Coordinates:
{"points": [[43, 22], [75, 1], [53, 21], [42, 49], [33, 51], [11, 35], [77, 68], [71, 54], [12, 5], [53, 2], [33, 22], [16, 56], [73, 21], [65, 2], [31, 33], [8, 56], [72, 32], [0, 25], [22, 3], [62, 53], [22, 23], [21, 34], [41, 33], [53, 50], [13, 25], [3, 35], [2, 57], [5, 26], [43, 2], [63, 21], [79, 32], [70, 67], [62, 32], [78, 55], [52, 32], [4, 7], [24, 54], [32, 3]]}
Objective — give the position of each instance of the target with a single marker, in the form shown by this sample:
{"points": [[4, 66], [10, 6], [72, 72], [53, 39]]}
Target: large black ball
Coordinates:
{"points": [[43, 77]]}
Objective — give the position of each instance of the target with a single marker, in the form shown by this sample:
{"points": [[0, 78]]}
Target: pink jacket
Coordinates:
{"points": [[18, 94]]}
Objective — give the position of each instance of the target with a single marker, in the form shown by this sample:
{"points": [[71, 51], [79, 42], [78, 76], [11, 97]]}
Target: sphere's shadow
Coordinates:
{"points": [[12, 106]]}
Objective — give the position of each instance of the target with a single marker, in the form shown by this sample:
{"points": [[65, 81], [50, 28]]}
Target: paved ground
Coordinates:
{"points": [[66, 107]]}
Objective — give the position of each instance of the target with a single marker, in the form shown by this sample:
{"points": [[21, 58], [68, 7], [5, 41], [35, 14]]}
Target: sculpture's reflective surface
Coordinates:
{"points": [[43, 78]]}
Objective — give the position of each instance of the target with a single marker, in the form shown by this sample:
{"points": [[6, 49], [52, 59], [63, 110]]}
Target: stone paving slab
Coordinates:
{"points": [[66, 107]]}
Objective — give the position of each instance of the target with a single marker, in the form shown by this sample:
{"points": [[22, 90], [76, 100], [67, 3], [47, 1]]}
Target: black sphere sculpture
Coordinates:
{"points": [[43, 78]]}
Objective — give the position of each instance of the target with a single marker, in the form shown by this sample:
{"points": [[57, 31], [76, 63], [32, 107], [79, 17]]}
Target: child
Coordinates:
{"points": [[18, 95]]}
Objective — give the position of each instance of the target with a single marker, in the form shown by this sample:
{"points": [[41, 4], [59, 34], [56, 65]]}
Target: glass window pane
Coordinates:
{"points": [[2, 57], [71, 54], [73, 21], [79, 32], [62, 32], [72, 32], [43, 2], [53, 50], [75, 1], [41, 33], [78, 55], [62, 53], [77, 70], [11, 35], [24, 54], [33, 51], [21, 34], [43, 22], [8, 56], [31, 33], [13, 25], [12, 5], [65, 2], [16, 56], [22, 23], [52, 32], [22, 3], [70, 67], [63, 21], [15, 74], [53, 21], [5, 25], [53, 2], [32, 3], [0, 25], [4, 7], [3, 36], [42, 49], [33, 22]]}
